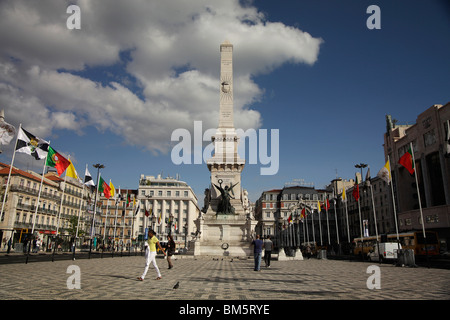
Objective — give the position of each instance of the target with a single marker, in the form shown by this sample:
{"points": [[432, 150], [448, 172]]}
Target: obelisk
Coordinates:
{"points": [[226, 227], [226, 165]]}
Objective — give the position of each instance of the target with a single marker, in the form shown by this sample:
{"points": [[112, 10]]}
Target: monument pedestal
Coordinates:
{"points": [[223, 235]]}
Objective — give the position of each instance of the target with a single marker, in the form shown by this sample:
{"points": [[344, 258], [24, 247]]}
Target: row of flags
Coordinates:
{"points": [[41, 149], [385, 174]]}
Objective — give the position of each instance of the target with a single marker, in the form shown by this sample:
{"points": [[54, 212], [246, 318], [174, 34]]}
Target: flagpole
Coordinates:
{"points": [[59, 213], [393, 202], [375, 220], [328, 225], [304, 232], [95, 209], [348, 226], [37, 204], [420, 202], [320, 229], [335, 217], [312, 226], [115, 223], [78, 220], [9, 176], [123, 225]]}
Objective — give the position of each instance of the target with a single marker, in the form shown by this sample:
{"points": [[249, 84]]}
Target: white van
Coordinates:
{"points": [[388, 251]]}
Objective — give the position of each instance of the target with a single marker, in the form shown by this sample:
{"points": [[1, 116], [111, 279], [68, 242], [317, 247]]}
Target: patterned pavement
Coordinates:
{"points": [[216, 279]]}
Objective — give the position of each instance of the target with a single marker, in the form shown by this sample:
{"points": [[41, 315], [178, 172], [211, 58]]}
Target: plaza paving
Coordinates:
{"points": [[216, 279]]}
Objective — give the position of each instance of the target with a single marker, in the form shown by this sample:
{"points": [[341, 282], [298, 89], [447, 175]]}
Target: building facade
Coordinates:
{"points": [[430, 139], [55, 210], [171, 207]]}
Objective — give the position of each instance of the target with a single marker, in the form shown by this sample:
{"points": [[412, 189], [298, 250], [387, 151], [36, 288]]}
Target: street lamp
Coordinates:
{"points": [[361, 166], [185, 235], [170, 224], [98, 166]]}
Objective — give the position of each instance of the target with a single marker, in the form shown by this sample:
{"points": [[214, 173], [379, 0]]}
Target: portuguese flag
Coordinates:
{"points": [[56, 160], [103, 187], [407, 162]]}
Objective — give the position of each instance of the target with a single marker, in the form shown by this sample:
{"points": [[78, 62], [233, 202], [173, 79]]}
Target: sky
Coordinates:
{"points": [[114, 90]]}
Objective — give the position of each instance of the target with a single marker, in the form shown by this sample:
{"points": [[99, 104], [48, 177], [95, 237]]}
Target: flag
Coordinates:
{"points": [[103, 187], [138, 208], [71, 172], [159, 219], [344, 196], [57, 161], [7, 132], [128, 199], [303, 214], [385, 173], [326, 204], [119, 197], [318, 207], [356, 189], [290, 218], [113, 190], [32, 145], [88, 179], [406, 161]]}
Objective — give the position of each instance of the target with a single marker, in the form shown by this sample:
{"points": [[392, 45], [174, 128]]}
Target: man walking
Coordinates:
{"points": [[257, 252], [268, 246]]}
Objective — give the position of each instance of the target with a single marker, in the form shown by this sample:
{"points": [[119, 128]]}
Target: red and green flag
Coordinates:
{"points": [[56, 160], [407, 161], [290, 218], [104, 187], [128, 200]]}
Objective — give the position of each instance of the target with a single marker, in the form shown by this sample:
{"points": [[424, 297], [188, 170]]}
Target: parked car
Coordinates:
{"points": [[388, 251]]}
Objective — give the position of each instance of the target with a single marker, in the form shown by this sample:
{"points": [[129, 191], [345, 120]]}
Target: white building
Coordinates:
{"points": [[171, 206]]}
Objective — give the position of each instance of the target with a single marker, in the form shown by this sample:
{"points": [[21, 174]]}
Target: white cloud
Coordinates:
{"points": [[174, 50]]}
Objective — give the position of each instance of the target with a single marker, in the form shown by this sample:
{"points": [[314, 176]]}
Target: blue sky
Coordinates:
{"points": [[113, 91]]}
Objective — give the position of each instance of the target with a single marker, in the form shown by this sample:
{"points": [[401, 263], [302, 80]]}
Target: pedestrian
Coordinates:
{"points": [[257, 251], [9, 245], [170, 250], [268, 246], [150, 254], [308, 251]]}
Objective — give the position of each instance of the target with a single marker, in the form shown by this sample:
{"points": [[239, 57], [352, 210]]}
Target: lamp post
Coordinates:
{"points": [[98, 166], [170, 224], [185, 235], [361, 166]]}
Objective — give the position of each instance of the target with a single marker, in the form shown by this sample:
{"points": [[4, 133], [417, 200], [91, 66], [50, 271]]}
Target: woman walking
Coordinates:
{"points": [[150, 255], [170, 250]]}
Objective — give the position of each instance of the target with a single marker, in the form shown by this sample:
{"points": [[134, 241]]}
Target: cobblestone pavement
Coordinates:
{"points": [[212, 279]]}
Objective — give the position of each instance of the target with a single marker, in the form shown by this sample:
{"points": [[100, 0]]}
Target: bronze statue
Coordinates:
{"points": [[225, 206]]}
